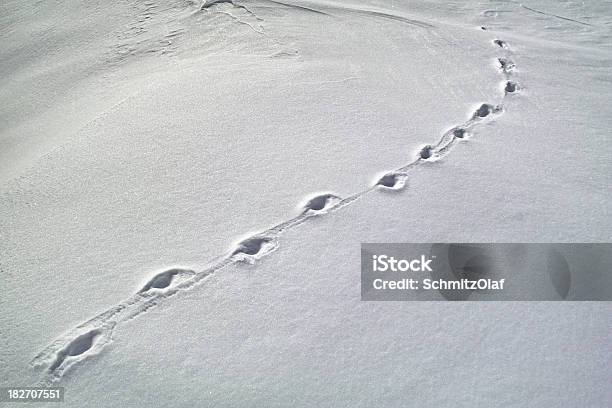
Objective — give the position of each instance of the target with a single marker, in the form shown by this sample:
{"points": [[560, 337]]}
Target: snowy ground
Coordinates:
{"points": [[137, 137]]}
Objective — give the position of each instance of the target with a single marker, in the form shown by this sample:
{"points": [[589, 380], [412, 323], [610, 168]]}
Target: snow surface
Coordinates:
{"points": [[138, 137]]}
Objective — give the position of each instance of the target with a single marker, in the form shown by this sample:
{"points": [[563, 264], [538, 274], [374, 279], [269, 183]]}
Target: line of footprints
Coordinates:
{"points": [[87, 339]]}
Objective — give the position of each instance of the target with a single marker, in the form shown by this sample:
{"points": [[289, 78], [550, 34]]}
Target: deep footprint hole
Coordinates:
{"points": [[485, 110], [252, 246], [388, 180], [459, 133], [76, 347], [426, 152], [391, 180], [321, 202], [506, 65], [82, 343], [500, 43], [164, 279], [511, 87]]}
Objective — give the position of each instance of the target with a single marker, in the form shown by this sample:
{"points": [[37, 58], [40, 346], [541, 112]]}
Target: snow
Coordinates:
{"points": [[143, 137]]}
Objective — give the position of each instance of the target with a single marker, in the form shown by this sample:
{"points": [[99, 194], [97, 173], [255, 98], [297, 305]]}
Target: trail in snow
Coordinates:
{"points": [[90, 337]]}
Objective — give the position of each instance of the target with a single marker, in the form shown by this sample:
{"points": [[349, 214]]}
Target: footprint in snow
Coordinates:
{"points": [[485, 110], [392, 181], [76, 347], [164, 279], [251, 249], [501, 44], [459, 132], [426, 152], [321, 203], [506, 65], [510, 87]]}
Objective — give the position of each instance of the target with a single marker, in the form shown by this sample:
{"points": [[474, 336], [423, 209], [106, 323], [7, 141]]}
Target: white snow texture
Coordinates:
{"points": [[184, 187]]}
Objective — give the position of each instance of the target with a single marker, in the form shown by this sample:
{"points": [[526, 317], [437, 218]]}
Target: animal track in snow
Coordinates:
{"points": [[511, 87], [501, 44], [321, 203], [164, 279], [392, 181], [459, 132], [75, 348], [89, 337], [485, 110], [506, 65], [426, 152], [251, 249]]}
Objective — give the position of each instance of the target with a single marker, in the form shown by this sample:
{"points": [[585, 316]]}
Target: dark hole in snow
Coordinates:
{"points": [[251, 246], [318, 203], [76, 347], [484, 111], [388, 180], [162, 279], [459, 133], [426, 152]]}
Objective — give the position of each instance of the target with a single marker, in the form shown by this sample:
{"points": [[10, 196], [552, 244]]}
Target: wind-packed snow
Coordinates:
{"points": [[184, 188]]}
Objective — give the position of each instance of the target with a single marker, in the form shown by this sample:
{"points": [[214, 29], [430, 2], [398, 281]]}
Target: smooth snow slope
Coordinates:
{"points": [[202, 126]]}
